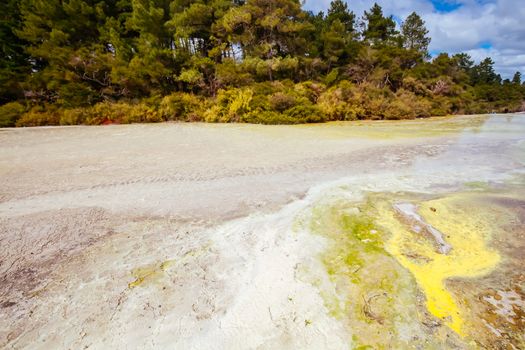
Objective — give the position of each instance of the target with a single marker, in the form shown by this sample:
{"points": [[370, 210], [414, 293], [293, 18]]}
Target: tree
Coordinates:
{"points": [[378, 29], [334, 42], [193, 23], [270, 28], [516, 79], [337, 38], [464, 61], [414, 34], [14, 63], [64, 54], [338, 11], [484, 73], [69, 62]]}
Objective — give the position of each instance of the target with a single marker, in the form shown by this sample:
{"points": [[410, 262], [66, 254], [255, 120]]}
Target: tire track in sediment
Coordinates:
{"points": [[388, 156]]}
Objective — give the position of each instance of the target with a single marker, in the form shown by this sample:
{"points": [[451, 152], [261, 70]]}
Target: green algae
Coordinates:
{"points": [[373, 295], [392, 289], [390, 129], [477, 185]]}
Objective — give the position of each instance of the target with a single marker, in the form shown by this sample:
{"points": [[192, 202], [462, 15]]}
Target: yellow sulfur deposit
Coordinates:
{"points": [[465, 230]]}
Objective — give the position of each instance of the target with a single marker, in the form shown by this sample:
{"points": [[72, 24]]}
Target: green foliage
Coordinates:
{"points": [[378, 29], [280, 101], [414, 34], [74, 116], [516, 79], [484, 73], [260, 61], [341, 102], [10, 113], [14, 66], [406, 105], [107, 113], [40, 116], [305, 113], [339, 11], [231, 106], [182, 106]]}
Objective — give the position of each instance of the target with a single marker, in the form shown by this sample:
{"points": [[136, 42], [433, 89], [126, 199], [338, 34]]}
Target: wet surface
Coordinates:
{"points": [[386, 235]]}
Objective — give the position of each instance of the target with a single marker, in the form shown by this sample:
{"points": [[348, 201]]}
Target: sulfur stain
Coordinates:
{"points": [[372, 294], [143, 274], [154, 272], [465, 230]]}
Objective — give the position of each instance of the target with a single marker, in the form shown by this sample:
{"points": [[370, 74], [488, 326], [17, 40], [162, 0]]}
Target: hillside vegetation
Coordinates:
{"points": [[69, 62]]}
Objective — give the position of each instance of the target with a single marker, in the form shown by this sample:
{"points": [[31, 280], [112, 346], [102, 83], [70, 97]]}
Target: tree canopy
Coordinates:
{"points": [[269, 61]]}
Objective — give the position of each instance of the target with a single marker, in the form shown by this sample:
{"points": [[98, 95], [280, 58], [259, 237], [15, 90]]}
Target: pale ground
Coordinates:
{"points": [[182, 235]]}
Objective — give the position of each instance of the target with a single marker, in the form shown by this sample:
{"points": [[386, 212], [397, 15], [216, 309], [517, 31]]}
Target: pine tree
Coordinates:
{"points": [[338, 11], [274, 28], [14, 64], [378, 29], [464, 61], [414, 34], [516, 79], [337, 34], [484, 73]]}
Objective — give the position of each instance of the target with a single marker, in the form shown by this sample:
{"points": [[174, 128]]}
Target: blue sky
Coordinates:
{"points": [[481, 28], [445, 6]]}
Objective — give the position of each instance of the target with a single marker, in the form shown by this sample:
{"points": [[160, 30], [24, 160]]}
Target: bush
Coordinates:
{"points": [[75, 116], [142, 113], [281, 101], [265, 117], [375, 101], [406, 105], [39, 116], [440, 106], [309, 90], [107, 113], [182, 106], [332, 105], [10, 113], [231, 106], [117, 113], [305, 114]]}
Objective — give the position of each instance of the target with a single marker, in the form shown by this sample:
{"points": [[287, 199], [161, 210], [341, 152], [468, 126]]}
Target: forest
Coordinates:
{"points": [[68, 62]]}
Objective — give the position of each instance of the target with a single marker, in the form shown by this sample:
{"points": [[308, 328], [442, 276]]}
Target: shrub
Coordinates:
{"points": [[440, 106], [333, 105], [142, 113], [182, 106], [117, 113], [74, 116], [305, 113], [331, 77], [398, 110], [107, 113], [309, 90], [39, 116], [212, 114], [375, 101], [231, 106], [265, 117], [416, 86], [10, 113], [341, 102], [281, 101]]}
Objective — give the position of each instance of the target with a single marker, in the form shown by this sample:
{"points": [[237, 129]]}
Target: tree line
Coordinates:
{"points": [[260, 61]]}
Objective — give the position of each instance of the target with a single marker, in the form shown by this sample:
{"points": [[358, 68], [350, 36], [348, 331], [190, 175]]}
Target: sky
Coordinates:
{"points": [[481, 28]]}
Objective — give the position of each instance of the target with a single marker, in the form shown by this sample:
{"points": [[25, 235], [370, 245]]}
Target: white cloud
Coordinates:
{"points": [[470, 28]]}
